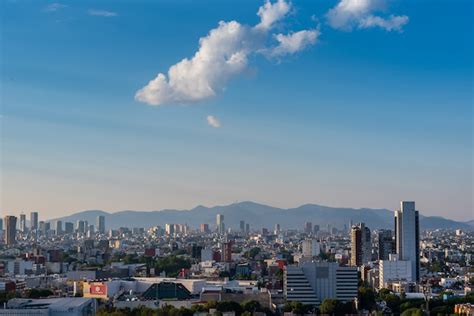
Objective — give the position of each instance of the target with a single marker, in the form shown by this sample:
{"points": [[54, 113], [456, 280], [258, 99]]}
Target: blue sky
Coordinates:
{"points": [[361, 118]]}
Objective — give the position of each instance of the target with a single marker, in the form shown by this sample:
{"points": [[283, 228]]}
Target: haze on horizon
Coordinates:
{"points": [[112, 106]]}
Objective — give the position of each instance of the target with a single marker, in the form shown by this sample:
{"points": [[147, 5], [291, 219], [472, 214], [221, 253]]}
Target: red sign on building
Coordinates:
{"points": [[98, 289]]}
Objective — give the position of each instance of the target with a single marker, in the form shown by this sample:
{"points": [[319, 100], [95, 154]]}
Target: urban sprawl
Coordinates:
{"points": [[55, 268]]}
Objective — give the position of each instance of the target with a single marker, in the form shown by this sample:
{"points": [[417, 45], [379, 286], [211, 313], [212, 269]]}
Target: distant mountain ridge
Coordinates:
{"points": [[260, 215]]}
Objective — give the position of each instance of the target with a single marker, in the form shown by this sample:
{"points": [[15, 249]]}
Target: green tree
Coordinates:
{"points": [[413, 312], [366, 298], [330, 306]]}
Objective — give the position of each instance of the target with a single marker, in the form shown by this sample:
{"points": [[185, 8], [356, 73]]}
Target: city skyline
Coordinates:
{"points": [[362, 108]]}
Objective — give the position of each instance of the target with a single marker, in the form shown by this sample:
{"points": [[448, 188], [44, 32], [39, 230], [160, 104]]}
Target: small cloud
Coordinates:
{"points": [[53, 7], [350, 14], [102, 13], [294, 42], [213, 121]]}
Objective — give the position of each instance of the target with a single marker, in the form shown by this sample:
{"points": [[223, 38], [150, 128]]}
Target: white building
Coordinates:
{"points": [[313, 282], [407, 236], [394, 270], [64, 306], [311, 248]]}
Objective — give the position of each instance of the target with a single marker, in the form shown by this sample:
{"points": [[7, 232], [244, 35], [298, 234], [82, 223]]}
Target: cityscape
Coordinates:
{"points": [[207, 268], [236, 158]]}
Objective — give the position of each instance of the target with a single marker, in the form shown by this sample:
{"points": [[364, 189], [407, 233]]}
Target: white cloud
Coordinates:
{"points": [[349, 14], [53, 7], [393, 23], [222, 54], [294, 42], [213, 121], [104, 13], [270, 13]]}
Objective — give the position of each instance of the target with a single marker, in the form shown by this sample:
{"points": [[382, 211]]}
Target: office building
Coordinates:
{"points": [[220, 224], [277, 229], [68, 227], [169, 229], [1, 224], [10, 225], [81, 226], [204, 228], [386, 244], [226, 251], [313, 282], [247, 228], [407, 236], [23, 223], [59, 227], [308, 227], [310, 248], [361, 245], [34, 220], [101, 224], [242, 226], [394, 270]]}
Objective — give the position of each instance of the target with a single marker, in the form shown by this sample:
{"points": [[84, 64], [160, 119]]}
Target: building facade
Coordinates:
{"points": [[407, 236]]}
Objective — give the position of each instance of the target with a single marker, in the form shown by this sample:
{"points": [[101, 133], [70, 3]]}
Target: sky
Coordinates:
{"points": [[147, 105]]}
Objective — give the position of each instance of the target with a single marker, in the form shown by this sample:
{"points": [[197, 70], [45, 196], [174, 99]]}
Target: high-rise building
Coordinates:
{"points": [[361, 246], [386, 244], [68, 227], [42, 227], [169, 229], [59, 227], [407, 236], [10, 225], [308, 227], [101, 224], [227, 251], [247, 228], [242, 226], [312, 282], [1, 224], [277, 229], [311, 248], [81, 226], [23, 223], [220, 224], [204, 228], [34, 220]]}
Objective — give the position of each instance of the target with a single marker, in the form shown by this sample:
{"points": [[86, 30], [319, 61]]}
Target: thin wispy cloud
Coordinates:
{"points": [[213, 121], [53, 7], [350, 14], [224, 54], [103, 13]]}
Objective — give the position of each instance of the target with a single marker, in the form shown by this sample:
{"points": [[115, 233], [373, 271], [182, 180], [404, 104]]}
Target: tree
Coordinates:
{"points": [[413, 312], [252, 306], [330, 306], [366, 298]]}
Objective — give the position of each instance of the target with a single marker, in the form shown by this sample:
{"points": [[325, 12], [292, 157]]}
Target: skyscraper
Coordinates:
{"points": [[220, 224], [1, 224], [34, 220], [242, 226], [361, 246], [59, 227], [308, 227], [10, 224], [101, 224], [68, 227], [386, 245], [407, 236], [80, 226], [277, 229], [23, 223]]}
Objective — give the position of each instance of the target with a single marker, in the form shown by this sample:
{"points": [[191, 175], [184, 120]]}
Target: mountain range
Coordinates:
{"points": [[260, 215]]}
